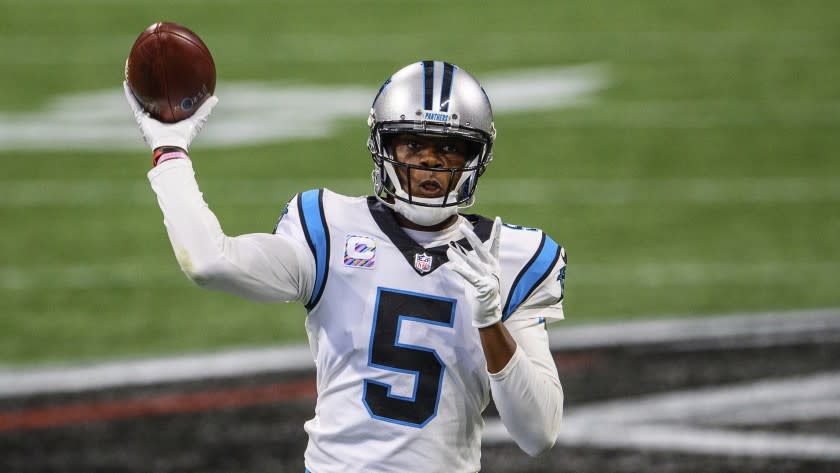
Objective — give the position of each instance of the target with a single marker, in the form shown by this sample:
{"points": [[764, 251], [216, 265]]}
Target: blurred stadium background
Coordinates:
{"points": [[700, 175], [702, 179]]}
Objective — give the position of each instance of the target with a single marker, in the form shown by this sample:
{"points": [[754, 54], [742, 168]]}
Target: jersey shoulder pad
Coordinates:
{"points": [[334, 198], [303, 219], [533, 273]]}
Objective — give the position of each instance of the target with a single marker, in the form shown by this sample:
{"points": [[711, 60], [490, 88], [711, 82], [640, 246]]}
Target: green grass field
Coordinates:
{"points": [[704, 179]]}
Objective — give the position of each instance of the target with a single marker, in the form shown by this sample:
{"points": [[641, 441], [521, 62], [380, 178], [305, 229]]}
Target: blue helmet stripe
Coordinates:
{"points": [[428, 84], [446, 87], [537, 269], [311, 208]]}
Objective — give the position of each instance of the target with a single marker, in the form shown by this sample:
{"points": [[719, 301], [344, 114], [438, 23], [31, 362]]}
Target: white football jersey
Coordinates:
{"points": [[401, 376]]}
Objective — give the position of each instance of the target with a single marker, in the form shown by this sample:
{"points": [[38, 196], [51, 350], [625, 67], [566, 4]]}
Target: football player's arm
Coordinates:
{"points": [[258, 266], [523, 377], [527, 391]]}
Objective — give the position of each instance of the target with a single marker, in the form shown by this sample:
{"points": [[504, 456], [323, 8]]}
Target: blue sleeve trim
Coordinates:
{"points": [[311, 209], [534, 273]]}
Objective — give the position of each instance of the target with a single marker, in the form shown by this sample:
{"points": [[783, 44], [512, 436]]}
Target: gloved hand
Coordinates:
{"points": [[480, 268], [179, 134]]}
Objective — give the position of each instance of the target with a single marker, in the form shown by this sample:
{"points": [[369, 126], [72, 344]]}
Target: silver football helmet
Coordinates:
{"points": [[431, 98]]}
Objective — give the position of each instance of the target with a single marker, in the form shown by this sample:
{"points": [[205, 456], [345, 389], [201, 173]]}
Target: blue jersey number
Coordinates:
{"points": [[386, 352]]}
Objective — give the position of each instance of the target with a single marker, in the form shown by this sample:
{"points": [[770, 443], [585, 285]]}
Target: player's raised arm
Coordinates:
{"points": [[523, 378], [527, 391], [258, 266]]}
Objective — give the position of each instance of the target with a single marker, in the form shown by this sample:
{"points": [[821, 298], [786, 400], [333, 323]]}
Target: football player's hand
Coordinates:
{"points": [[480, 268], [179, 134]]}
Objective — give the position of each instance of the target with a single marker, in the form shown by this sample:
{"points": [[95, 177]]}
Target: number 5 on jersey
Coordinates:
{"points": [[393, 307]]}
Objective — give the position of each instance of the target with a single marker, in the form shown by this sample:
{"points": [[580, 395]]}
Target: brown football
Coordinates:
{"points": [[171, 71]]}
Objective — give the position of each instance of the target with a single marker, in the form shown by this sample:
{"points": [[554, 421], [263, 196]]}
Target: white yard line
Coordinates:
{"points": [[687, 421], [697, 405], [694, 421], [18, 382], [154, 370], [753, 415], [700, 440], [755, 328], [257, 112]]}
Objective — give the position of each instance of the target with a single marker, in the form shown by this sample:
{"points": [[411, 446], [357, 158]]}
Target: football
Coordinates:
{"points": [[170, 71]]}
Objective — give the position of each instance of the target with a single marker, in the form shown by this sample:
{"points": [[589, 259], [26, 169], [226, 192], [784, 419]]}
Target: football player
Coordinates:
{"points": [[417, 313]]}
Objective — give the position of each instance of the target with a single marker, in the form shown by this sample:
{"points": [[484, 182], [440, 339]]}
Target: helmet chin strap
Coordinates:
{"points": [[425, 216]]}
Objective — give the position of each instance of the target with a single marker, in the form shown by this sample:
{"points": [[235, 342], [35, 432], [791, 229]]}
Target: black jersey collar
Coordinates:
{"points": [[423, 260]]}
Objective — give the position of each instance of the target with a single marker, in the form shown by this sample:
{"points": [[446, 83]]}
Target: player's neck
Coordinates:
{"points": [[406, 223]]}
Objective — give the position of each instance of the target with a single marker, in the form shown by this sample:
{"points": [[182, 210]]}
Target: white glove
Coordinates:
{"points": [[179, 134], [481, 269]]}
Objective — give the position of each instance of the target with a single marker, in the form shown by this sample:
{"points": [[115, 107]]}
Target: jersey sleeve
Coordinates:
{"points": [[534, 272], [527, 391], [303, 220], [260, 266]]}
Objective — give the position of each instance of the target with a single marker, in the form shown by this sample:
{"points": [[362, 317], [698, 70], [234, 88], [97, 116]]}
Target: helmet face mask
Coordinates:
{"points": [[460, 180], [408, 103]]}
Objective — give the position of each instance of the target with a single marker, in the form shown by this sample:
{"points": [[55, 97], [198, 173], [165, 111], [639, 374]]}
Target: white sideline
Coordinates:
{"points": [[141, 372], [764, 328]]}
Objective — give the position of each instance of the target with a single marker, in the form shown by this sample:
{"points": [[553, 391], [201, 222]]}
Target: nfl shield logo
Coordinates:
{"points": [[423, 262]]}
